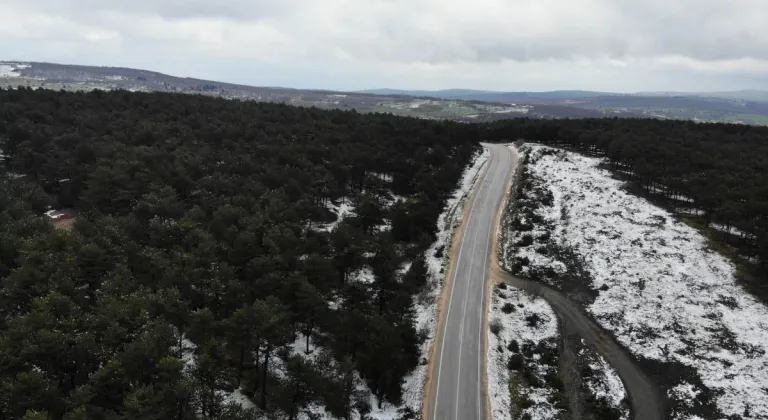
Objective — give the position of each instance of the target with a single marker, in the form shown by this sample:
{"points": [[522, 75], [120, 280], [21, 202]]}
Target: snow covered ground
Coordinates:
{"points": [[341, 210], [522, 356], [656, 285], [8, 71], [603, 382]]}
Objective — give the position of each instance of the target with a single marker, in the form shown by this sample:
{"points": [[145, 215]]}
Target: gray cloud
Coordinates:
{"points": [[627, 43]]}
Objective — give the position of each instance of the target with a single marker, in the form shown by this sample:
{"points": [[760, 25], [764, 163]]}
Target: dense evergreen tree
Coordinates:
{"points": [[199, 257]]}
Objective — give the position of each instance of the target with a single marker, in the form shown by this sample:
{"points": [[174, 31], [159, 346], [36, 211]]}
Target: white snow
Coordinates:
{"points": [[605, 381], [7, 70], [363, 275], [515, 327], [728, 229], [237, 397], [342, 210], [54, 214], [660, 290], [188, 356]]}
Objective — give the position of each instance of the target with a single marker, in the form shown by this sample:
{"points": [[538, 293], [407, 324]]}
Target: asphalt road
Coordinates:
{"points": [[457, 377], [457, 388]]}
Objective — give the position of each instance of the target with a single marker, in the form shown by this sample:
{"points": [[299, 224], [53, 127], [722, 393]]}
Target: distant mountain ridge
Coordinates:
{"points": [[467, 105], [492, 96], [503, 96]]}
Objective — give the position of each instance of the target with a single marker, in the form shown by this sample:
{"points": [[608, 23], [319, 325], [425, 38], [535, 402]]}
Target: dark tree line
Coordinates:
{"points": [[199, 220], [714, 174]]}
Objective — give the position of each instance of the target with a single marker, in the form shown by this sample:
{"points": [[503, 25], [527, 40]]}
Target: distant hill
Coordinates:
{"points": [[468, 105], [562, 95], [76, 77], [491, 96]]}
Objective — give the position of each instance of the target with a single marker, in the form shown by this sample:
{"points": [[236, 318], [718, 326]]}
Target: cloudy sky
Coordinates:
{"points": [[609, 45]]}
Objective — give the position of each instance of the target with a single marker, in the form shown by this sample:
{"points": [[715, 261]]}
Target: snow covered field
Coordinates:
{"points": [[523, 343], [652, 279]]}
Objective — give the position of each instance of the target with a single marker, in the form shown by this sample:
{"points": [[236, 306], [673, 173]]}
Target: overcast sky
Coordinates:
{"points": [[609, 45]]}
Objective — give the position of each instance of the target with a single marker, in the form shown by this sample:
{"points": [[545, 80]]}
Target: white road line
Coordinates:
{"points": [[450, 300]]}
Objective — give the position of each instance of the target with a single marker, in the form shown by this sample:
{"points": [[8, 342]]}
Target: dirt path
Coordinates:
{"points": [[644, 398]]}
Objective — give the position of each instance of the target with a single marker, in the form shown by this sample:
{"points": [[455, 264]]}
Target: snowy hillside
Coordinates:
{"points": [[646, 277]]}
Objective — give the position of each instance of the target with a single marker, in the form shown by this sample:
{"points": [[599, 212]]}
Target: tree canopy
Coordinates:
{"points": [[206, 257]]}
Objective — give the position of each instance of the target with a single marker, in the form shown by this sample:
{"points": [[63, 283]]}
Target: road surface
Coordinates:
{"points": [[457, 389], [457, 377]]}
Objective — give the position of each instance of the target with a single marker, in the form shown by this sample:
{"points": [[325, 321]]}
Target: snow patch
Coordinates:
{"points": [[188, 356], [343, 210], [7, 70]]}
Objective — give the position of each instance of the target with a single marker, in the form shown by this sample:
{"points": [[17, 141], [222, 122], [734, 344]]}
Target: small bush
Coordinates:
{"points": [[526, 403], [533, 320], [502, 286], [513, 347], [439, 251], [528, 349], [553, 379], [526, 240], [496, 327], [531, 379], [508, 308], [516, 362]]}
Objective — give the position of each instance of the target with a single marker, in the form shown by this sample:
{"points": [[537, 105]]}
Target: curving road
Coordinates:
{"points": [[456, 390]]}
